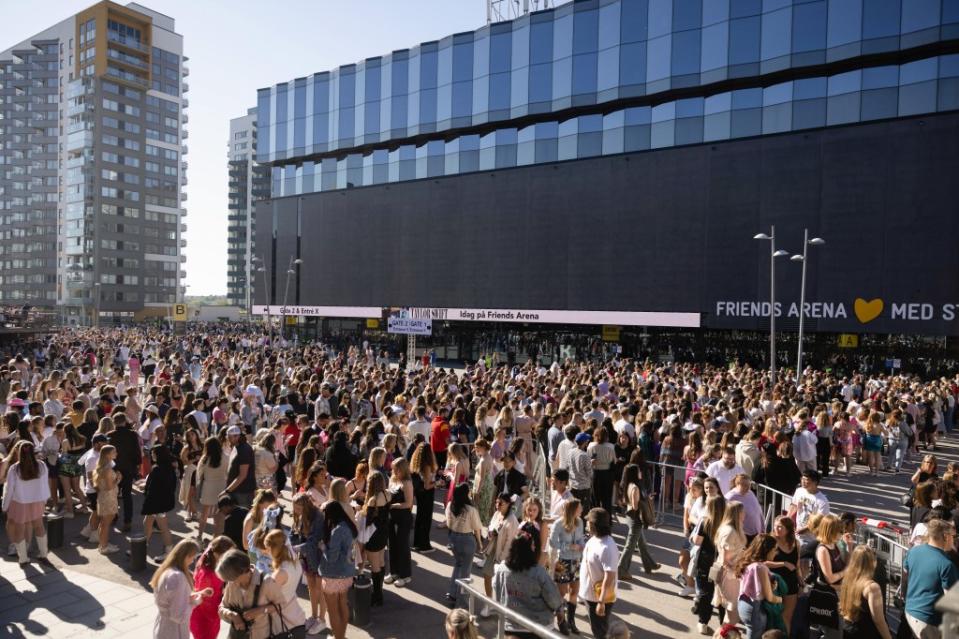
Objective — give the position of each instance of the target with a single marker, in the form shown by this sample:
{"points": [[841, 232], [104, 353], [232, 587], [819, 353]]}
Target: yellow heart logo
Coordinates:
{"points": [[867, 311]]}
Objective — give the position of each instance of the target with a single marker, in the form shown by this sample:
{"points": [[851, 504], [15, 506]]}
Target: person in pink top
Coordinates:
{"points": [[755, 585], [134, 365], [205, 618]]}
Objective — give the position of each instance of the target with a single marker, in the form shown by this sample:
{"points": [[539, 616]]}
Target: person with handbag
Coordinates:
{"points": [[830, 570], [567, 538], [205, 619], [290, 619], [631, 488], [249, 597], [756, 585], [702, 558], [597, 574]]}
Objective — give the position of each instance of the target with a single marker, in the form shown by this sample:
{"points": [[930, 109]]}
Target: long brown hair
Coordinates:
{"points": [[27, 464], [858, 576], [177, 559], [757, 551]]}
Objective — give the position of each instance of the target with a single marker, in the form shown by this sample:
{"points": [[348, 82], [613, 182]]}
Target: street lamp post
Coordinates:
{"points": [[806, 243], [286, 292], [773, 254], [96, 305]]}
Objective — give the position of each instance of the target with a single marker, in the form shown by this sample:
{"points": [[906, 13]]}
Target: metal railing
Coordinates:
{"points": [[773, 502], [890, 570], [504, 613], [668, 483]]}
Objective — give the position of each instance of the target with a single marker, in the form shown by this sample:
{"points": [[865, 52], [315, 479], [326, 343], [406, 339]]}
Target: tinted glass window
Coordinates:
{"points": [[715, 46], [685, 52], [845, 22], [634, 18], [809, 27], [660, 17], [744, 40], [776, 33], [881, 19], [585, 31], [919, 14]]}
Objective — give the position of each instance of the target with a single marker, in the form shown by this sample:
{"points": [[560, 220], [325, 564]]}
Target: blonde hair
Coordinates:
{"points": [[103, 466], [275, 544], [461, 625], [177, 559], [830, 529], [569, 514], [858, 576], [263, 498], [338, 491]]}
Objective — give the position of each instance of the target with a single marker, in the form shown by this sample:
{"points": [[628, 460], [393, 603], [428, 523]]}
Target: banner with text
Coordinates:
{"points": [[409, 326]]}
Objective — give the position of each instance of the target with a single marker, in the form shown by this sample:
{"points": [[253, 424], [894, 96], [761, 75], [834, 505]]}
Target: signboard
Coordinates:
{"points": [[848, 340], [372, 323], [179, 312], [291, 320], [359, 312], [596, 318], [610, 333], [893, 363], [410, 326]]}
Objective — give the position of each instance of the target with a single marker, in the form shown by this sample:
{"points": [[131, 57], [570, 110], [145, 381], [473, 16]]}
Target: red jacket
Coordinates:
{"points": [[439, 434]]}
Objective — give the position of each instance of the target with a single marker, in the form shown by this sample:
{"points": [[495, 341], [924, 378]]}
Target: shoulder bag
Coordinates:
{"points": [[285, 632], [246, 633], [823, 606]]}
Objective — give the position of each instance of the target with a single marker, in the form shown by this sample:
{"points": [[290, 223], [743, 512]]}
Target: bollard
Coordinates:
{"points": [[138, 553], [54, 531], [361, 592]]}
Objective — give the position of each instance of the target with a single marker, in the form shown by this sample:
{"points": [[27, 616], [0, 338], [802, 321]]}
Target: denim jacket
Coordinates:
{"points": [[561, 539], [337, 559]]}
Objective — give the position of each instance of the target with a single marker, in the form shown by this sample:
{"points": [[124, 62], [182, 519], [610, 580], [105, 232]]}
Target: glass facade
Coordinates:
{"points": [[465, 90]]}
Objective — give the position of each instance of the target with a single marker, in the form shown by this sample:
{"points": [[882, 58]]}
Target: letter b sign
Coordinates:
{"points": [[179, 312]]}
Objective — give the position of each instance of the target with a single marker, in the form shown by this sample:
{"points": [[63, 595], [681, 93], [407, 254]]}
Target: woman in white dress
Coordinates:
{"points": [[287, 573]]}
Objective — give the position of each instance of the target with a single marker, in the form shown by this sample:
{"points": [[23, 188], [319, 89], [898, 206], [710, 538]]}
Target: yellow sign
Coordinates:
{"points": [[179, 312], [291, 320], [848, 340], [372, 323], [611, 333]]}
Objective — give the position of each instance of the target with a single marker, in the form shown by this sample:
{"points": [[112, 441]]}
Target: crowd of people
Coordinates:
{"points": [[305, 463]]}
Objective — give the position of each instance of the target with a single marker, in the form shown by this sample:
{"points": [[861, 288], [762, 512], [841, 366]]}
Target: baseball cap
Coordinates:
{"points": [[100, 437], [234, 430], [583, 437]]}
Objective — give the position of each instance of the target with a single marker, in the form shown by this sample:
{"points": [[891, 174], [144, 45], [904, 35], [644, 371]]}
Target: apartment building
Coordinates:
{"points": [[92, 166]]}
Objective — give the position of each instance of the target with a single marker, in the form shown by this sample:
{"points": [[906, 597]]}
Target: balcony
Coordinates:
{"points": [[185, 118], [129, 43], [183, 227], [184, 86], [185, 71]]}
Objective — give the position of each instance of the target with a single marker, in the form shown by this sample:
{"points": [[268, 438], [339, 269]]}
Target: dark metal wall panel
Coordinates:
{"points": [[667, 230]]}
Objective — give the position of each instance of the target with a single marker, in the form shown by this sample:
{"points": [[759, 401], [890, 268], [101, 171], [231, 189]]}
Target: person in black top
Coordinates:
{"points": [[129, 456], [509, 480], [340, 460], [240, 480], [159, 496], [233, 517]]}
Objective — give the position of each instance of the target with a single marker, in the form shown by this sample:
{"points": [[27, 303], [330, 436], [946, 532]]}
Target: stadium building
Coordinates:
{"points": [[600, 169]]}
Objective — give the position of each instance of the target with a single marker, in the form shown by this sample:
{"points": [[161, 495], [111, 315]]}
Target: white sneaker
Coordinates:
{"points": [[704, 629], [687, 591], [479, 562], [318, 626], [399, 583], [109, 549], [390, 579], [85, 531], [94, 537], [12, 550]]}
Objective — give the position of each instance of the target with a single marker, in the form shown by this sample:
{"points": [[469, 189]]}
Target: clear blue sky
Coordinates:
{"points": [[238, 46]]}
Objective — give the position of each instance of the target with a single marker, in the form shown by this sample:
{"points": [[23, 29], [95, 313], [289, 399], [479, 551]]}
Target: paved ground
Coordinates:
{"points": [[89, 595]]}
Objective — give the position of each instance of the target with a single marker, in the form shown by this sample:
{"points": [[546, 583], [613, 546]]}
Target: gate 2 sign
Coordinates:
{"points": [[409, 326]]}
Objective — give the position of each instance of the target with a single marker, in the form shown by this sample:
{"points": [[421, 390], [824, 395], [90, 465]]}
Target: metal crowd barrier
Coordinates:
{"points": [[774, 503], [668, 497], [890, 570], [504, 613]]}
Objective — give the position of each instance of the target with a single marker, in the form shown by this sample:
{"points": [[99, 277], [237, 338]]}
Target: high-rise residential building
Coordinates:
{"points": [[92, 169], [248, 182]]}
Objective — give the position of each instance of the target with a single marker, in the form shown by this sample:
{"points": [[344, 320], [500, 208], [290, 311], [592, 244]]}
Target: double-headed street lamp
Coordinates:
{"points": [[773, 254], [266, 290], [286, 291], [816, 241]]}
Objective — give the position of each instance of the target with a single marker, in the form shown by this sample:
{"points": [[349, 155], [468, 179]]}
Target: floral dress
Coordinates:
{"points": [[484, 492]]}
